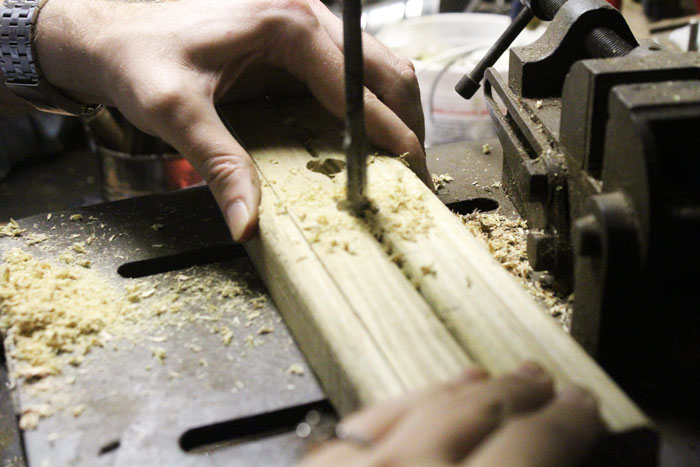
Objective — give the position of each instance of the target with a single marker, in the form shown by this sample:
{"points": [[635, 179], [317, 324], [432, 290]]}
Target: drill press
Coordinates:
{"points": [[600, 143]]}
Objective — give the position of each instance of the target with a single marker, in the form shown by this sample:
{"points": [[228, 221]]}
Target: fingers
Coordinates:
{"points": [[510, 420], [559, 435], [458, 418], [390, 77], [313, 58], [375, 422], [193, 127]]}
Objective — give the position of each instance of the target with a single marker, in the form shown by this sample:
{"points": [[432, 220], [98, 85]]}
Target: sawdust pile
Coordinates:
{"points": [[318, 208], [53, 315], [506, 240], [400, 207]]}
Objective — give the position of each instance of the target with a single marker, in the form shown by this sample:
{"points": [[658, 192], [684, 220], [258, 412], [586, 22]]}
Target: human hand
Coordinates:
{"points": [[516, 419], [165, 64]]}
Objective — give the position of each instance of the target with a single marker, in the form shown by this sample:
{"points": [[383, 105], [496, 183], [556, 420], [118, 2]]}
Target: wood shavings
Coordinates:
{"points": [[31, 414], [51, 312], [34, 239], [506, 240], [441, 180], [75, 218], [251, 342], [157, 227], [226, 334], [251, 315], [148, 293], [159, 353], [197, 294], [12, 229], [67, 258], [258, 302], [78, 410], [401, 158], [266, 330], [295, 369], [78, 247]]}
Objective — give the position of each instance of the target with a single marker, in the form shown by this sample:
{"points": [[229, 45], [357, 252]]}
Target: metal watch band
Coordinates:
{"points": [[18, 61]]}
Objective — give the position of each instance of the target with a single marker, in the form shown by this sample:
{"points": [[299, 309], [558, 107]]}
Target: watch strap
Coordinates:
{"points": [[19, 65]]}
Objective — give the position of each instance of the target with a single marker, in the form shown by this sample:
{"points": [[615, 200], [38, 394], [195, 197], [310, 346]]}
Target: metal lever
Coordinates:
{"points": [[471, 83], [600, 42], [355, 143]]}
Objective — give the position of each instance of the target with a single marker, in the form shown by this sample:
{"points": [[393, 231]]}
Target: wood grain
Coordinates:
{"points": [[370, 328], [362, 325]]}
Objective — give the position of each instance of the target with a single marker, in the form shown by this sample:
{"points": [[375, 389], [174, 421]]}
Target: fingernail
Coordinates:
{"points": [[238, 218], [576, 395], [530, 370]]}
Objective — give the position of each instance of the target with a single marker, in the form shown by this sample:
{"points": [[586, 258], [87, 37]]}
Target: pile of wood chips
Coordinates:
{"points": [[506, 240]]}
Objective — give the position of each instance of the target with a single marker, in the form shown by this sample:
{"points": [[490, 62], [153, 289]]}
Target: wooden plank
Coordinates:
{"points": [[362, 325], [484, 309]]}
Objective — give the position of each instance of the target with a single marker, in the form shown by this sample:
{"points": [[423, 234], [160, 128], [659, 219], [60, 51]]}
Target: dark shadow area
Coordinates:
{"points": [[469, 206], [246, 429], [198, 257]]}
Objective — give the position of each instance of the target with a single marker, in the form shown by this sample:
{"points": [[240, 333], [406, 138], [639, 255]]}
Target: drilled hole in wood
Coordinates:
{"points": [[109, 447], [199, 257], [469, 206], [226, 434], [329, 167]]}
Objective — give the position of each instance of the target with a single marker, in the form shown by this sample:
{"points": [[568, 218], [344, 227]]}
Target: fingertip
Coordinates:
{"points": [[238, 218], [241, 220], [579, 397]]}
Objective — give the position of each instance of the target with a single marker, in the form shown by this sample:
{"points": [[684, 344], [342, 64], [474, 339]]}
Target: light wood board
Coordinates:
{"points": [[403, 298]]}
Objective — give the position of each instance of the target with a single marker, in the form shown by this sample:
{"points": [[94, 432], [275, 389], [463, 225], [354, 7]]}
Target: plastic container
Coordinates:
{"points": [[443, 48]]}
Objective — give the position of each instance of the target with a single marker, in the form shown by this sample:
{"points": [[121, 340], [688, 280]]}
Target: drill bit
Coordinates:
{"points": [[355, 143]]}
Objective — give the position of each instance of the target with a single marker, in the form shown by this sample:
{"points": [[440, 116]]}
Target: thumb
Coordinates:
{"points": [[226, 167]]}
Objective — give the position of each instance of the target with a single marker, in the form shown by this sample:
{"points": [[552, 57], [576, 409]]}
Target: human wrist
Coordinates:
{"points": [[68, 48]]}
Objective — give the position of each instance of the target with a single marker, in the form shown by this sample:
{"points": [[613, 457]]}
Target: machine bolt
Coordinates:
{"points": [[587, 236], [541, 250]]}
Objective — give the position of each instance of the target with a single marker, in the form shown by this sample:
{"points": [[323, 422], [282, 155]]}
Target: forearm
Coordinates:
{"points": [[68, 46]]}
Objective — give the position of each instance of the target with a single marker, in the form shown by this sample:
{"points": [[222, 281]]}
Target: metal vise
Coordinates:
{"points": [[601, 143]]}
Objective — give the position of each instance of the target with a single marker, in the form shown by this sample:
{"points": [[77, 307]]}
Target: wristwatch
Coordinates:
{"points": [[18, 61]]}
